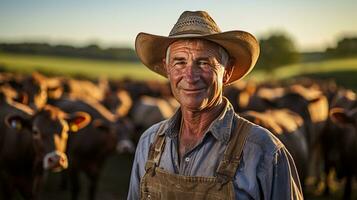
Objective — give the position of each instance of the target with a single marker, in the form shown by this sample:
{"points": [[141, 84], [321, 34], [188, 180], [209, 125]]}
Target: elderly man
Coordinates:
{"points": [[206, 151]]}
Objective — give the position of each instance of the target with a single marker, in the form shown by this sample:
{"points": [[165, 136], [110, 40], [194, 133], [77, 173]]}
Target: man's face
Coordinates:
{"points": [[196, 73]]}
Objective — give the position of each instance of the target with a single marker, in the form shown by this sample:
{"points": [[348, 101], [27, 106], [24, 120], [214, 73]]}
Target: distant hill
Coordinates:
{"points": [[90, 51], [96, 52]]}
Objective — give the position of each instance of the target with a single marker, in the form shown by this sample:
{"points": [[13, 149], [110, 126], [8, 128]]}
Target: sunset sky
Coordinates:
{"points": [[313, 25]]}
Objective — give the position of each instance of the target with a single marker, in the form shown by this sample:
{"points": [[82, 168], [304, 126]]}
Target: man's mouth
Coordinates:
{"points": [[193, 90]]}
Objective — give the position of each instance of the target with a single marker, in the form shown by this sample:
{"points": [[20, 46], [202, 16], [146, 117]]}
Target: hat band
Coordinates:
{"points": [[192, 33], [194, 24]]}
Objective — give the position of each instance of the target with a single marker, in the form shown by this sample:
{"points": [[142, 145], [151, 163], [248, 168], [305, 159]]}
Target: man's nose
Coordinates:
{"points": [[192, 73]]}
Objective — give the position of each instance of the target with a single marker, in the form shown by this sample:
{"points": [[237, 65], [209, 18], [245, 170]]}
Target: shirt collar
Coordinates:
{"points": [[220, 128]]}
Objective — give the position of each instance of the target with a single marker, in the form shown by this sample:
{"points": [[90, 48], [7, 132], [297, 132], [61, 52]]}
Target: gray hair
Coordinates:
{"points": [[222, 52]]}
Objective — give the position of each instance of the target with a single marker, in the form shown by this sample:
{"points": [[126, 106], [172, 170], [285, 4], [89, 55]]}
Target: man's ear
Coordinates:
{"points": [[164, 64], [165, 67], [228, 71]]}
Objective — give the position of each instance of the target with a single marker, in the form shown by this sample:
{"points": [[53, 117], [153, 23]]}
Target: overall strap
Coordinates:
{"points": [[155, 150], [227, 168]]}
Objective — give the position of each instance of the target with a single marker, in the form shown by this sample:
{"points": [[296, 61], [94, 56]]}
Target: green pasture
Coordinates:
{"points": [[344, 71], [75, 67]]}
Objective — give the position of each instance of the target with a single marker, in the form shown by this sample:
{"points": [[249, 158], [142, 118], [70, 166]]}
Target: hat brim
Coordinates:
{"points": [[241, 46]]}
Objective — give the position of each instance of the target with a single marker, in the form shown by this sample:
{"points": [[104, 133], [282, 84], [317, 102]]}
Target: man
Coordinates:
{"points": [[206, 151]]}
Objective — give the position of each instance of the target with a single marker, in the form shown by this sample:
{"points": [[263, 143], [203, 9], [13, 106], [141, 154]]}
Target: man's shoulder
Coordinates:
{"points": [[263, 138], [149, 134]]}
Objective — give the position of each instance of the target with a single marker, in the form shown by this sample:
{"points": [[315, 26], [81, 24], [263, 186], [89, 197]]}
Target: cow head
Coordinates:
{"points": [[118, 102], [120, 130], [35, 88], [343, 117], [50, 128], [125, 130]]}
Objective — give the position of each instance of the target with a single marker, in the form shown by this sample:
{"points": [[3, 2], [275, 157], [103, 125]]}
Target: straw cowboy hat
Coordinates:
{"points": [[241, 46]]}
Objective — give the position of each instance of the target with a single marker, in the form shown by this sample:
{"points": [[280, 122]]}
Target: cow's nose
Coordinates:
{"points": [[55, 161], [125, 146]]}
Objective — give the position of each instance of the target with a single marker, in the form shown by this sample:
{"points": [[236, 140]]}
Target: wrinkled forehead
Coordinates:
{"points": [[194, 45]]}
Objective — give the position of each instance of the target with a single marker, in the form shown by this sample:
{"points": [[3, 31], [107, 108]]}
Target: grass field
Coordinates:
{"points": [[75, 67], [344, 71]]}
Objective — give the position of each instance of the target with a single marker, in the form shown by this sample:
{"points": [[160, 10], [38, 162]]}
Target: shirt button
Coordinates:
{"points": [[187, 159]]}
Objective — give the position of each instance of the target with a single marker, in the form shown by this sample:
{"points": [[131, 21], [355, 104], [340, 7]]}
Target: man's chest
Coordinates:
{"points": [[201, 159]]}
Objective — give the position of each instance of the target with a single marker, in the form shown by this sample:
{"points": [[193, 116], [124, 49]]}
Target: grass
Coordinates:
{"points": [[343, 71], [338, 68], [113, 182], [75, 67]]}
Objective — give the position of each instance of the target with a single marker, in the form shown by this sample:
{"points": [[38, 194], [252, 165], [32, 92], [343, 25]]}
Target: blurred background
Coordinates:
{"points": [[90, 45]]}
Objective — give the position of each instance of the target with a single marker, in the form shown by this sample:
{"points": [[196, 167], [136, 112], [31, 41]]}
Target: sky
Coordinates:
{"points": [[312, 24]]}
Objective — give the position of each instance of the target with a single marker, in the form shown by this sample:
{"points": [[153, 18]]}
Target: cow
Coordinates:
{"points": [[100, 114], [338, 137], [264, 98], [239, 94], [34, 88], [339, 143], [85, 89], [118, 102], [156, 108], [91, 146], [137, 89], [289, 128], [33, 142], [343, 98], [311, 104]]}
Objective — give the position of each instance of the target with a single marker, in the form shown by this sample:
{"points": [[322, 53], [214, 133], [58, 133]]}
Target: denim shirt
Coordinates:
{"points": [[266, 171]]}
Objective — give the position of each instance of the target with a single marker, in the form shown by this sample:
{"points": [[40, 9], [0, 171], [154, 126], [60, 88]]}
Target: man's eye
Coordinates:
{"points": [[203, 63], [180, 63]]}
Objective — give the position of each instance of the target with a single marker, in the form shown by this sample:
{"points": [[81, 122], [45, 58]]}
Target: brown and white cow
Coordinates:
{"points": [[32, 142], [92, 145]]}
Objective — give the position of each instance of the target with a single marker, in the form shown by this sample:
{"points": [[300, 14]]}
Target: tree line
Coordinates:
{"points": [[276, 50], [279, 49], [92, 51]]}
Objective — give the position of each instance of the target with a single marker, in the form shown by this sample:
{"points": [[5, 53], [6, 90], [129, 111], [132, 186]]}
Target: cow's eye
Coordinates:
{"points": [[16, 124]]}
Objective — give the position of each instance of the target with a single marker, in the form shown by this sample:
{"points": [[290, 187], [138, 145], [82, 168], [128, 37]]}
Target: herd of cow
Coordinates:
{"points": [[56, 123]]}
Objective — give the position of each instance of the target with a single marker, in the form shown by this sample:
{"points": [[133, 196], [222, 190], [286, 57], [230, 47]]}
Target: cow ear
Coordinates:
{"points": [[78, 120], [340, 116], [315, 99], [23, 98], [17, 122]]}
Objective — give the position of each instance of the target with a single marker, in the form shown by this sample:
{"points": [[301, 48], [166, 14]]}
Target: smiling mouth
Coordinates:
{"points": [[192, 91]]}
